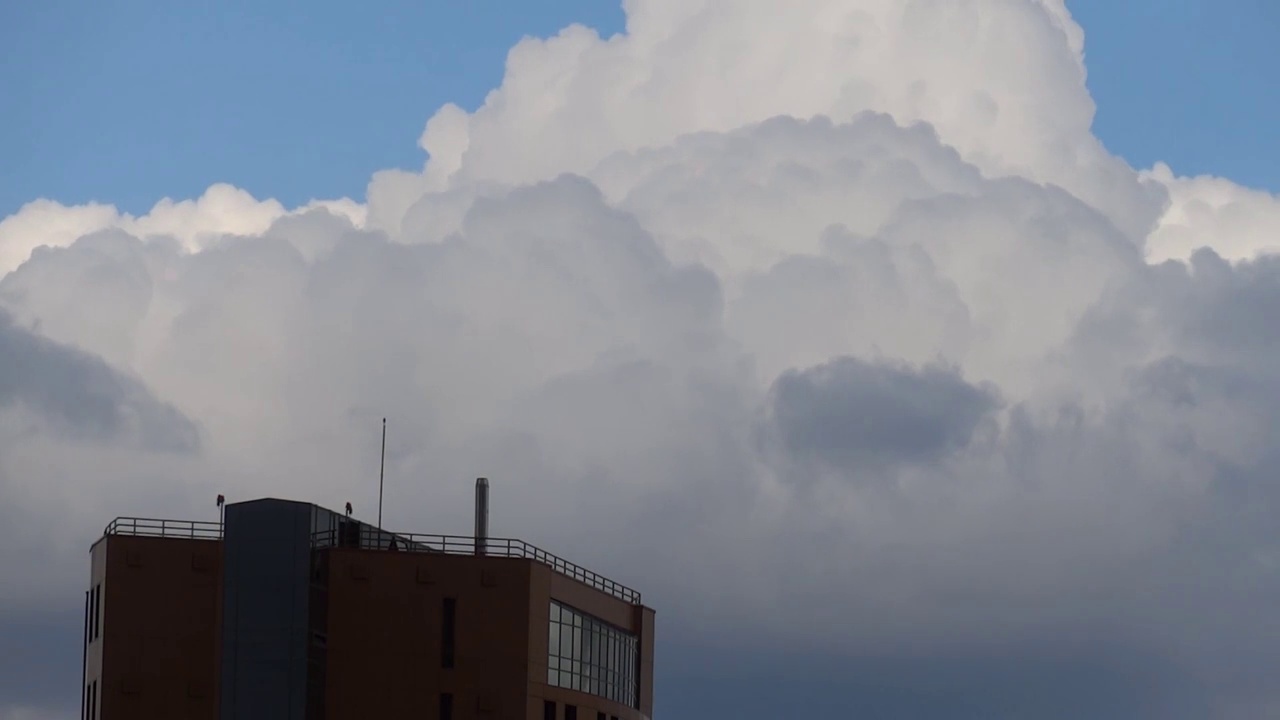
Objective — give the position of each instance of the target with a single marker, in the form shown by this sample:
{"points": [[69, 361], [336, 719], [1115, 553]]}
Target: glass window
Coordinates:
{"points": [[626, 668], [589, 655]]}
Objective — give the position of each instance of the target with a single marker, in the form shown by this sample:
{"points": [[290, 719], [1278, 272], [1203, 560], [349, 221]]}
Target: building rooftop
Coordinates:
{"points": [[351, 533]]}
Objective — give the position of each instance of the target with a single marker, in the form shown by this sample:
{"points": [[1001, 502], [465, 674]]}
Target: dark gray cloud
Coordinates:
{"points": [[1227, 306], [81, 396], [1106, 681], [852, 414], [45, 673]]}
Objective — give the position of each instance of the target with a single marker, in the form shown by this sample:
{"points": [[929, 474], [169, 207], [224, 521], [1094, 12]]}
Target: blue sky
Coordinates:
{"points": [[1190, 82], [291, 100], [137, 100]]}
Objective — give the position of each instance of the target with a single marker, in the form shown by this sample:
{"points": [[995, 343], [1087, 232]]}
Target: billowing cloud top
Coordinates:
{"points": [[830, 319]]}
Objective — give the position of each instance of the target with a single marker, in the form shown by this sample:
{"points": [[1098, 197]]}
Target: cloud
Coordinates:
{"points": [[1237, 222], [839, 311], [80, 396], [222, 210], [853, 416], [570, 101], [73, 432], [1101, 684], [26, 712], [37, 677]]}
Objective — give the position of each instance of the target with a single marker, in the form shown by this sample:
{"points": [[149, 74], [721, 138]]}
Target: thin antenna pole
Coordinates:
{"points": [[382, 467]]}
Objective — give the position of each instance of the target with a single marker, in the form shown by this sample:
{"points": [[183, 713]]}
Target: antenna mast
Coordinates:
{"points": [[382, 466]]}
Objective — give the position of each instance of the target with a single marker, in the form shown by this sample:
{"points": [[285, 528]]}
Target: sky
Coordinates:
{"points": [[310, 104], [261, 94], [915, 359]]}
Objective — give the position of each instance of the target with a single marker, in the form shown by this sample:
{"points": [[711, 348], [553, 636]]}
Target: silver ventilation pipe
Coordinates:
{"points": [[482, 515]]}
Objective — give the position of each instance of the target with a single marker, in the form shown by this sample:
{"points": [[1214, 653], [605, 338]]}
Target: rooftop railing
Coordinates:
{"points": [[150, 527], [366, 537], [369, 538]]}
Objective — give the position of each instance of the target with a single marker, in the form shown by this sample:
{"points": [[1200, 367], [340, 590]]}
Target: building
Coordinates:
{"points": [[289, 611]]}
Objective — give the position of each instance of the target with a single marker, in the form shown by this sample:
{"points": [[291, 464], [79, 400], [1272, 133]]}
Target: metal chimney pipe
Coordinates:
{"points": [[482, 515]]}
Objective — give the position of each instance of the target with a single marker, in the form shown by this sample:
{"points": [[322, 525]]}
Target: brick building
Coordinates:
{"points": [[289, 611]]}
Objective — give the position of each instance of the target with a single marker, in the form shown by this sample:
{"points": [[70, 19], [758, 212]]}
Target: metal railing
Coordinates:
{"points": [[151, 527], [369, 538]]}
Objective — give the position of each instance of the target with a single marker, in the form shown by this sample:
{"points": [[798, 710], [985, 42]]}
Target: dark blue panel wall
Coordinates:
{"points": [[264, 626]]}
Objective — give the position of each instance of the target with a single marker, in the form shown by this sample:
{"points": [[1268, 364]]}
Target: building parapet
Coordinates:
{"points": [[366, 537], [371, 538]]}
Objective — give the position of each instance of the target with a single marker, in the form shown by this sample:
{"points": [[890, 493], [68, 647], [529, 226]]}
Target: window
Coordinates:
{"points": [[600, 716], [91, 707], [88, 603], [447, 632], [570, 712], [548, 710], [591, 656], [95, 612], [446, 706]]}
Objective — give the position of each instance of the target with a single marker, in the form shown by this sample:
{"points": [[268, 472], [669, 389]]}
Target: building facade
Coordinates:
{"points": [[289, 611]]}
